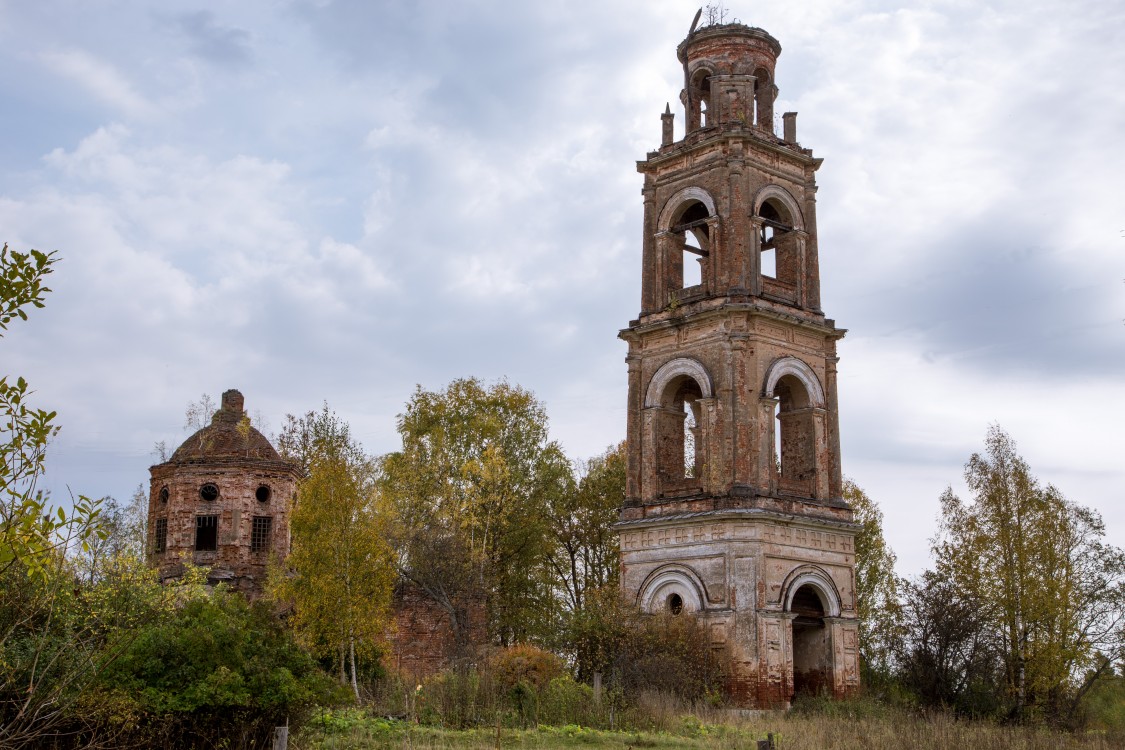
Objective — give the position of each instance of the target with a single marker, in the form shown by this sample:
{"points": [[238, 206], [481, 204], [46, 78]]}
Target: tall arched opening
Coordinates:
{"points": [[676, 394], [812, 643]]}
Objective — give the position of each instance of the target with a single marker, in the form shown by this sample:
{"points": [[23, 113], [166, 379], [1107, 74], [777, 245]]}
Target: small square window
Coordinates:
{"points": [[260, 534], [160, 536], [206, 533]]}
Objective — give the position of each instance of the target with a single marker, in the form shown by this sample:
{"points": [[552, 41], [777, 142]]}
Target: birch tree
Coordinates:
{"points": [[1038, 567], [339, 573]]}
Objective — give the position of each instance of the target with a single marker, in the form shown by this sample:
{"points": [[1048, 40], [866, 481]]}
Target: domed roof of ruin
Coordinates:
{"points": [[229, 436]]}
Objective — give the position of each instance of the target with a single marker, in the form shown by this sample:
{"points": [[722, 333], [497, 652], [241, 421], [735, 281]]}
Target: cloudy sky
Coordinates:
{"points": [[337, 200]]}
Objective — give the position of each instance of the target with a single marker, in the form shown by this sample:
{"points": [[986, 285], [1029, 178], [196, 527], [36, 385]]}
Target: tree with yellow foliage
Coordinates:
{"points": [[876, 587], [471, 488], [1036, 567], [340, 573]]}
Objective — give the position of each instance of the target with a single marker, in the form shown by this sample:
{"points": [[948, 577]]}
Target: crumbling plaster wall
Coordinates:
{"points": [[735, 574]]}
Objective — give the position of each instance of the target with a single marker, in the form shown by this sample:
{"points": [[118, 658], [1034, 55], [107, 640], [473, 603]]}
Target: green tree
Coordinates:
{"points": [[1037, 565], [211, 671], [339, 573], [60, 630], [876, 587], [28, 526], [585, 556], [31, 530], [949, 656], [471, 488], [197, 414]]}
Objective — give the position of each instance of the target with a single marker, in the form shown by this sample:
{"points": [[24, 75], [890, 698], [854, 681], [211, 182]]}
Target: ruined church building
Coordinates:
{"points": [[734, 509]]}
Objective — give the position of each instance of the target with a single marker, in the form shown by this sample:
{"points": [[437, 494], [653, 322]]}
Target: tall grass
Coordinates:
{"points": [[658, 720], [521, 697], [938, 732]]}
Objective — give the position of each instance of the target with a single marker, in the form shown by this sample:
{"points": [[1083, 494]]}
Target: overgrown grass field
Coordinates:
{"points": [[710, 730]]}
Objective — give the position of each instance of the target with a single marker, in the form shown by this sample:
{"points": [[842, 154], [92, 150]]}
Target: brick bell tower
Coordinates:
{"points": [[734, 510]]}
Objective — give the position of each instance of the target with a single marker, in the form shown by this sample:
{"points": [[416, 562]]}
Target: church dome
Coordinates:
{"points": [[229, 436]]}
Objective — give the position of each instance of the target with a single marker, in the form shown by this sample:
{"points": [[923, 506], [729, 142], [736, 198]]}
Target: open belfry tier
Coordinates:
{"points": [[734, 509]]}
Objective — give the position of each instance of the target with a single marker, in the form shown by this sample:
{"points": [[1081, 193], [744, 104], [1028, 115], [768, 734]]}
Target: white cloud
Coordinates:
{"points": [[339, 200], [100, 79]]}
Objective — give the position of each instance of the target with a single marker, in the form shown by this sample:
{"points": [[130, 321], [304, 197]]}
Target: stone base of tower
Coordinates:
{"points": [[776, 592]]}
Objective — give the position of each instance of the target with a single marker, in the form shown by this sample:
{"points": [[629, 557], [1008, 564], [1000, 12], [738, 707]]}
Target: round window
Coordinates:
{"points": [[262, 493], [675, 604], [164, 495], [209, 492]]}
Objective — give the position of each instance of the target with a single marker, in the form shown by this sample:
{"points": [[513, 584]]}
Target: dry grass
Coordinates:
{"points": [[718, 731]]}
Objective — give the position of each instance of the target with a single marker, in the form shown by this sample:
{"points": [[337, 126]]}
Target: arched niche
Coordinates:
{"points": [[811, 598], [660, 589]]}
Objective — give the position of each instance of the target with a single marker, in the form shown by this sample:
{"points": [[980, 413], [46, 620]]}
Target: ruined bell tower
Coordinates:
{"points": [[734, 509]]}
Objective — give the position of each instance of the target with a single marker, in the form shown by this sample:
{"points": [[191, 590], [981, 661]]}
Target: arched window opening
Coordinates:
{"points": [[691, 432], [675, 604], [794, 438], [701, 98], [777, 440], [691, 234], [769, 257], [780, 251], [693, 261], [679, 438], [812, 650], [774, 227], [763, 99]]}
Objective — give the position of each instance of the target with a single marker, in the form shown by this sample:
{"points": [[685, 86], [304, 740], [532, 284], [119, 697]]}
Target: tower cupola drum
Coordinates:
{"points": [[734, 508], [222, 501]]}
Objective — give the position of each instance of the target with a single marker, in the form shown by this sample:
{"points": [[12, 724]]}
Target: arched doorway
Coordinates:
{"points": [[812, 645]]}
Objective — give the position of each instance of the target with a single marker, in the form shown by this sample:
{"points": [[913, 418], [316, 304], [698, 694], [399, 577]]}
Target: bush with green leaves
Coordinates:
{"points": [[217, 670], [59, 631]]}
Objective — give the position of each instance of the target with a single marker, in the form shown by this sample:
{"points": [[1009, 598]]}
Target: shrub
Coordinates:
{"points": [[216, 671], [527, 664], [565, 701], [639, 652], [669, 654], [456, 699]]}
